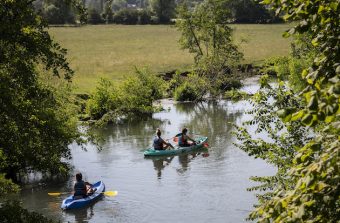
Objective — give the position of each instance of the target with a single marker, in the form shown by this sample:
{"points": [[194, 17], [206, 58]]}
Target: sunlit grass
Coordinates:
{"points": [[113, 51]]}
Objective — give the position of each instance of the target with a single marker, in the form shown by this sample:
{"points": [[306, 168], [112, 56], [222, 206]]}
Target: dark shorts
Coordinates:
{"points": [[185, 145]]}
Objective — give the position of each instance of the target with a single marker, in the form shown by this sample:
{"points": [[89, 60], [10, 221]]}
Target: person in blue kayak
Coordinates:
{"points": [[183, 139], [159, 143], [82, 189]]}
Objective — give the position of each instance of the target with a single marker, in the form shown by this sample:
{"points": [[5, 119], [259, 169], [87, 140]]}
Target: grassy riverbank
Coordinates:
{"points": [[113, 51]]}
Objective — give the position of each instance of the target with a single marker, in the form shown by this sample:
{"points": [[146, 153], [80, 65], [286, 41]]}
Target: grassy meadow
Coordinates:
{"points": [[112, 51]]}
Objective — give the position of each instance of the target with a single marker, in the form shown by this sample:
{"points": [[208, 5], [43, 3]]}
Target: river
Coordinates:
{"points": [[205, 186]]}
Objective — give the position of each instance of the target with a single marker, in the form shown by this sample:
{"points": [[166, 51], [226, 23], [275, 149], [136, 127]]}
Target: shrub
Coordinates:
{"points": [[229, 84], [134, 96], [186, 92], [126, 16], [144, 17], [53, 15], [236, 95], [94, 17], [194, 88], [139, 92], [103, 100]]}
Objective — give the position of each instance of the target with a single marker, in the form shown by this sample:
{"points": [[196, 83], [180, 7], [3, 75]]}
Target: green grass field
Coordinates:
{"points": [[113, 51]]}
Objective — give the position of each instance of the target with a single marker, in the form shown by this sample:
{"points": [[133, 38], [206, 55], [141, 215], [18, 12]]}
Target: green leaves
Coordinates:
{"points": [[37, 113], [132, 98], [315, 197]]}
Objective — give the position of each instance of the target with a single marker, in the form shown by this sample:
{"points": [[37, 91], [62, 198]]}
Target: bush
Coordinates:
{"points": [[186, 92], [144, 17], [139, 92], [94, 17], [53, 15], [194, 88], [134, 96], [229, 84], [104, 99], [236, 95], [126, 16]]}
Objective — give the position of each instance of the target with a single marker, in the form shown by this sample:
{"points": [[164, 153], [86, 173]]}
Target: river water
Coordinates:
{"points": [[205, 186]]}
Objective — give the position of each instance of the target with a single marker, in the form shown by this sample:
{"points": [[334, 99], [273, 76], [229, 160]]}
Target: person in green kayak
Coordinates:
{"points": [[159, 143], [82, 189], [183, 139]]}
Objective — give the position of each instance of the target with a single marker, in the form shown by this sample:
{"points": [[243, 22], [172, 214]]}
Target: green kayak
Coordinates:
{"points": [[178, 150]]}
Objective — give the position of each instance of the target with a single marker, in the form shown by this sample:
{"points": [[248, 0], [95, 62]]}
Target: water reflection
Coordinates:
{"points": [[184, 159], [81, 215], [160, 163]]}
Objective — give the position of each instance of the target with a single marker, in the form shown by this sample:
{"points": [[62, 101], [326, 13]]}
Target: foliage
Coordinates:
{"points": [[108, 14], [144, 17], [163, 9], [94, 17], [279, 138], [7, 186], [12, 212], [61, 11], [229, 83], [36, 119], [290, 67], [192, 88], [126, 16], [250, 11], [135, 96], [206, 34], [118, 5], [139, 92], [104, 99], [313, 195], [236, 95], [58, 12]]}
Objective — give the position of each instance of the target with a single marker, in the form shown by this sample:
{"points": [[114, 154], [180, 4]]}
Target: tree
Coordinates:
{"points": [[126, 16], [36, 117], [94, 17], [61, 11], [250, 11], [108, 14], [205, 33], [164, 10], [58, 12], [118, 5], [314, 194]]}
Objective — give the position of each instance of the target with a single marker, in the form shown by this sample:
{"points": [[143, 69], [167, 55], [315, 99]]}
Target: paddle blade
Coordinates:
{"points": [[111, 193], [54, 194]]}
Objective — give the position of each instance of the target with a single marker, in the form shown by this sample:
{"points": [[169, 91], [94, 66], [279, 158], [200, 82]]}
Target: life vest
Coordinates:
{"points": [[80, 188], [158, 143], [182, 141]]}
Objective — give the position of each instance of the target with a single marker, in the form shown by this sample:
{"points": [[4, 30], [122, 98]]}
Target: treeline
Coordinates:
{"points": [[143, 11]]}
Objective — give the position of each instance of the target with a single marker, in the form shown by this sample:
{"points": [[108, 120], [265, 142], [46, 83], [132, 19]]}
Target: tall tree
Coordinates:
{"points": [[164, 9], [205, 33], [37, 120]]}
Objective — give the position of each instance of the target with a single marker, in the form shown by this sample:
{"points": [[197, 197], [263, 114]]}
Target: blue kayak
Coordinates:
{"points": [[70, 203], [178, 150]]}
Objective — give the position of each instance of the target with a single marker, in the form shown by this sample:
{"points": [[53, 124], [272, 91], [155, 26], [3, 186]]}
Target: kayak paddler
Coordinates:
{"points": [[159, 143], [81, 189], [183, 139]]}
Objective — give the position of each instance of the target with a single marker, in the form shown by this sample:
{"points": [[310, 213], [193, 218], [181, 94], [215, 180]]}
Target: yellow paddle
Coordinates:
{"points": [[107, 193]]}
